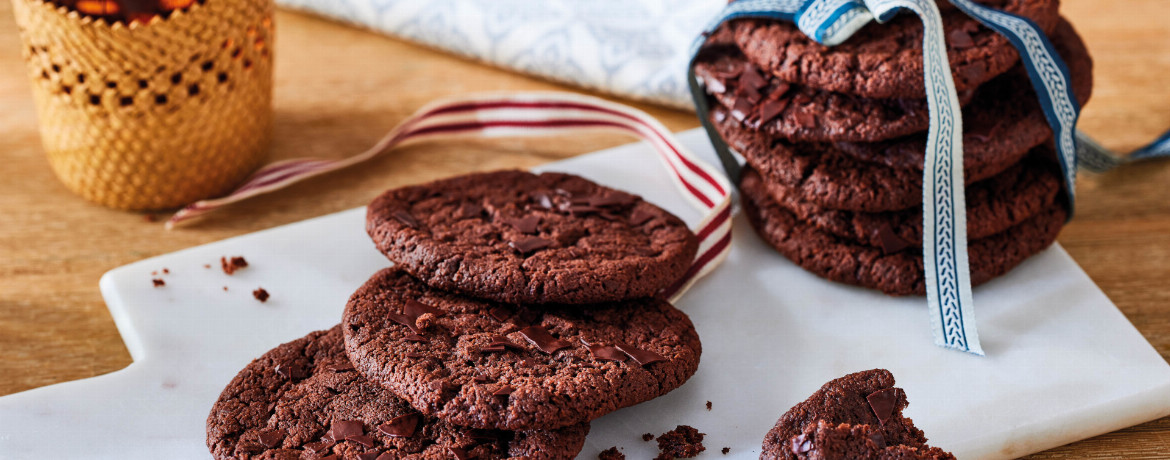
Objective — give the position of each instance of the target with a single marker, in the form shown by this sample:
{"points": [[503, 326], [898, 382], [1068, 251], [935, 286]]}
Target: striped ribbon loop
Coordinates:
{"points": [[529, 114]]}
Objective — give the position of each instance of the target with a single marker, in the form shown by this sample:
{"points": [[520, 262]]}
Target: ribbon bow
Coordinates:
{"points": [[948, 278]]}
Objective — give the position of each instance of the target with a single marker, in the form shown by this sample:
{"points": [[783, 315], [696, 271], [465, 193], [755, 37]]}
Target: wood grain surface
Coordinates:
{"points": [[338, 89]]}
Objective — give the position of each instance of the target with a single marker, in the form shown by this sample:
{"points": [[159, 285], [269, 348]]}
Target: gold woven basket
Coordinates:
{"points": [[152, 116]]}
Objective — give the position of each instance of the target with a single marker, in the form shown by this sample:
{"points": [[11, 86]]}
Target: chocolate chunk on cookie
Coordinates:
{"points": [[885, 60], [896, 273], [801, 114], [855, 416], [304, 399], [490, 365], [993, 205], [514, 236]]}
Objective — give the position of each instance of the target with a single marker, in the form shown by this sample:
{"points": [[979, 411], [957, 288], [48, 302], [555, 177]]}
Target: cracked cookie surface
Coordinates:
{"points": [[493, 365], [885, 60], [897, 273], [304, 400], [514, 236]]}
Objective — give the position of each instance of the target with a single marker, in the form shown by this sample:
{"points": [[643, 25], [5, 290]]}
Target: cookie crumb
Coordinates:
{"points": [[647, 437], [166, 271], [726, 450], [208, 266], [611, 454], [681, 442], [231, 265], [260, 294], [708, 405], [225, 289], [158, 282]]}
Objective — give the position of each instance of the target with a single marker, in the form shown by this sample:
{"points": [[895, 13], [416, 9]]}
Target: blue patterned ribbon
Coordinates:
{"points": [[948, 280]]}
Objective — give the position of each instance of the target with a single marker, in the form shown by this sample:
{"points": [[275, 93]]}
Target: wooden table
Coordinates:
{"points": [[338, 89]]}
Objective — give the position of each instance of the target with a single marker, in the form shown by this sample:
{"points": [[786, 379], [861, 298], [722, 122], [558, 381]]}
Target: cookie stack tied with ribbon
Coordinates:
{"points": [[834, 139], [843, 142], [521, 306]]}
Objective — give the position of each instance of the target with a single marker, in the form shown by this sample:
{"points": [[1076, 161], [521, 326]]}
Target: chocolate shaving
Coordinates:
{"points": [[771, 109], [805, 119], [530, 244], [493, 349], [415, 355], [751, 78], [481, 379], [362, 439], [801, 444], [543, 200], [372, 455], [415, 309], [343, 429], [404, 320], [341, 367], [402, 426], [526, 224], [639, 217], [877, 439], [882, 402], [415, 338], [503, 392], [890, 241], [406, 219], [741, 109], [319, 446], [643, 357], [605, 353], [271, 438], [386, 456], [438, 385], [291, 371], [459, 454], [501, 341], [469, 210], [540, 338]]}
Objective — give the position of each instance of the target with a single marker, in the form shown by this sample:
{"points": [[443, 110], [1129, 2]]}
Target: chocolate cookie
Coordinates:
{"points": [[993, 206], [802, 114], [896, 273], [491, 365], [514, 236], [304, 399], [855, 416], [823, 440], [885, 60], [1001, 125]]}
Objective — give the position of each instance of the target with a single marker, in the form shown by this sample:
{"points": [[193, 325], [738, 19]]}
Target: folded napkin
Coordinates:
{"points": [[636, 49]]}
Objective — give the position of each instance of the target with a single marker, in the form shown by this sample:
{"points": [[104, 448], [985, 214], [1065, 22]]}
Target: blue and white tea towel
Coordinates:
{"points": [[637, 49]]}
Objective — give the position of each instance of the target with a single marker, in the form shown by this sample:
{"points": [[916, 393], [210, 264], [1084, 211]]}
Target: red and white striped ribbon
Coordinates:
{"points": [[529, 114]]}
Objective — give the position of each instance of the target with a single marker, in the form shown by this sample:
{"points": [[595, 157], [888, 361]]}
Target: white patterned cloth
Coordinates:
{"points": [[630, 48]]}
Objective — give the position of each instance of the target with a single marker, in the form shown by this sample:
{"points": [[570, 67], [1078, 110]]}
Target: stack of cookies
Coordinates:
{"points": [[834, 140], [520, 307]]}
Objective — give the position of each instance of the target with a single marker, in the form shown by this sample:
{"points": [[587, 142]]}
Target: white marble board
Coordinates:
{"points": [[1063, 363]]}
